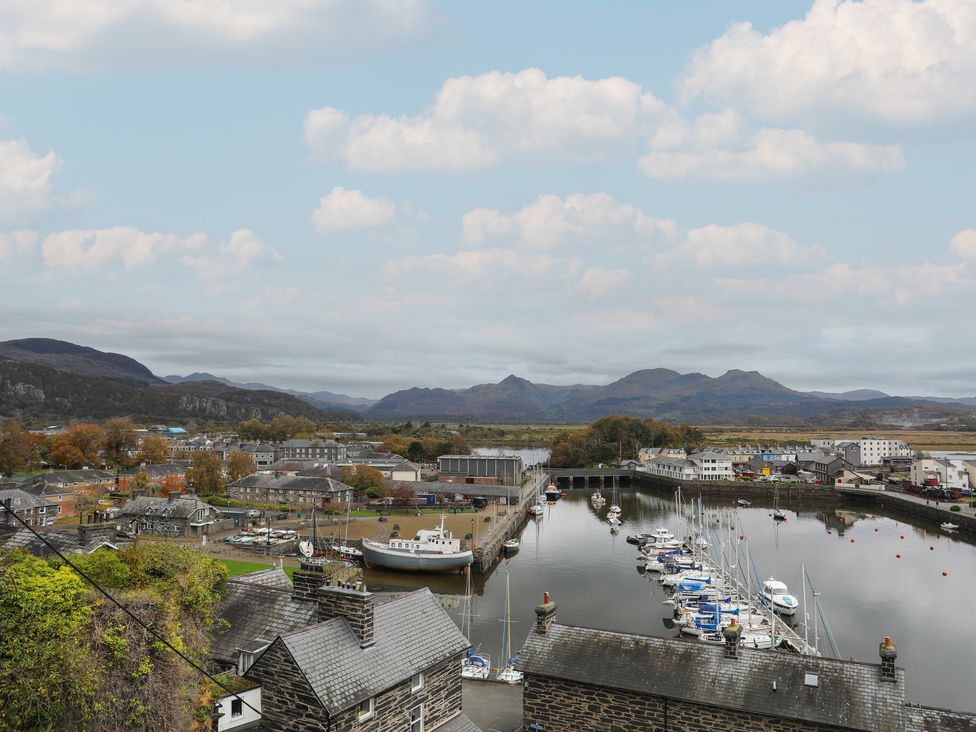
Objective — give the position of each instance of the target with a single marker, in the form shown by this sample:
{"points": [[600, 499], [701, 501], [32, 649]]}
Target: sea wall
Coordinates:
{"points": [[762, 492], [907, 506]]}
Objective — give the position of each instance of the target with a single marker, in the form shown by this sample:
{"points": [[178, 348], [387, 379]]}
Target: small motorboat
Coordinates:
{"points": [[779, 515], [614, 509], [947, 526], [597, 498], [775, 592], [512, 545], [744, 503], [553, 493], [536, 509]]}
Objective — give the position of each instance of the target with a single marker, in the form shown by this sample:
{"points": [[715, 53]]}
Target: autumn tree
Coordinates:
{"points": [[239, 465], [140, 484], [361, 477], [153, 451], [78, 446], [205, 476], [15, 448], [120, 439]]}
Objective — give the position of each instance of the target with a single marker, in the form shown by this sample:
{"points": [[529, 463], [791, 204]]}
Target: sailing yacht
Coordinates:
{"points": [[474, 665], [508, 674], [345, 550]]}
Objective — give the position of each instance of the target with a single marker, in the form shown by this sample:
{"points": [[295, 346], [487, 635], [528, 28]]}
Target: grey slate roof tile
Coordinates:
{"points": [[850, 694], [274, 577], [255, 611], [411, 633]]}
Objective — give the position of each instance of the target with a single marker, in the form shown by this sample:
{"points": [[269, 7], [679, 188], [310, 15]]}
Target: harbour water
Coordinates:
{"points": [[866, 590]]}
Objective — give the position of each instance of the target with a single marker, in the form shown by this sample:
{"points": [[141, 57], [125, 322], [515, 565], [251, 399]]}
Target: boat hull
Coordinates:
{"points": [[376, 555]]}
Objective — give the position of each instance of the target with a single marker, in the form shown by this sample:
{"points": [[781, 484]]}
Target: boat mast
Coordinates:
{"points": [[806, 618]]}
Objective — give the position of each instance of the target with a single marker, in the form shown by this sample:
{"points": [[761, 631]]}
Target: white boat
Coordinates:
{"points": [[476, 666], [614, 509], [614, 520], [776, 593], [432, 550], [597, 497], [948, 526], [536, 509], [344, 550], [744, 503], [508, 674], [512, 545], [552, 493]]}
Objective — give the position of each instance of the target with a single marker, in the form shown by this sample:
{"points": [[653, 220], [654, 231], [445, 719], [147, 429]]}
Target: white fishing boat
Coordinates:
{"points": [[508, 674], [552, 493], [948, 526], [512, 545], [432, 550], [776, 593]]}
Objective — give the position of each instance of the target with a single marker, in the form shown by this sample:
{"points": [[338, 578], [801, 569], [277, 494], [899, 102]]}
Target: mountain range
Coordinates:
{"points": [[43, 379]]}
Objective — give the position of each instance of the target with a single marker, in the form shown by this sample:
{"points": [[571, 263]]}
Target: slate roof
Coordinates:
{"points": [[21, 500], [74, 476], [460, 723], [850, 694], [65, 541], [182, 507], [275, 578], [411, 633], [257, 611], [929, 719], [159, 469], [321, 484]]}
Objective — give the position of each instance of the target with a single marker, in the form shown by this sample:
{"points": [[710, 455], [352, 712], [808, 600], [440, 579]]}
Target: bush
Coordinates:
{"points": [[955, 507]]}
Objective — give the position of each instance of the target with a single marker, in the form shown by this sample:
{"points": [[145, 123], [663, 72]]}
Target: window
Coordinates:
{"points": [[366, 709], [417, 718], [236, 707], [416, 683]]}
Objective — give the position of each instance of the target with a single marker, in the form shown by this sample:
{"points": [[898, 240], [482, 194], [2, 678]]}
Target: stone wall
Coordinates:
{"points": [[288, 703], [356, 606], [905, 505], [762, 492], [566, 706], [441, 697]]}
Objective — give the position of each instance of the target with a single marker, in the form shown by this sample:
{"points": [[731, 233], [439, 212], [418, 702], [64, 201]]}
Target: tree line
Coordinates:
{"points": [[619, 437]]}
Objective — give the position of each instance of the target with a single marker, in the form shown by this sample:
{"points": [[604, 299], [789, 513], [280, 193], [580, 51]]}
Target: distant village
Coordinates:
{"points": [[316, 649]]}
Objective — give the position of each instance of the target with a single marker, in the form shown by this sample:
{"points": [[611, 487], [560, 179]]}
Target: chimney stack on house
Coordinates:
{"points": [[305, 582], [731, 633], [545, 614], [888, 653], [349, 600]]}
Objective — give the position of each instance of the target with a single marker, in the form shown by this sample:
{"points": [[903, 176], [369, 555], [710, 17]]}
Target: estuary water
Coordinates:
{"points": [[866, 590]]}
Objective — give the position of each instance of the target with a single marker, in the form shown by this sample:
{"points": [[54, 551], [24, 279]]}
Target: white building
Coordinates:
{"points": [[672, 467], [873, 450], [649, 453], [712, 465], [951, 474]]}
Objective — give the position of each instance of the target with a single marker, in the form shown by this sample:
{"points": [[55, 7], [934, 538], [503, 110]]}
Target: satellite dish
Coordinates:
{"points": [[305, 548]]}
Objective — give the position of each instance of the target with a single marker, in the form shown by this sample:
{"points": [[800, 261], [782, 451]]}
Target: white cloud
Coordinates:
{"points": [[16, 243], [896, 60], [744, 245], [596, 282], [243, 249], [87, 34], [586, 219], [773, 153], [25, 178], [964, 244], [87, 249], [343, 209], [475, 121], [480, 265]]}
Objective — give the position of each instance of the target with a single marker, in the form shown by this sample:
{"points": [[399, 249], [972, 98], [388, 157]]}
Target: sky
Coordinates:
{"points": [[368, 195]]}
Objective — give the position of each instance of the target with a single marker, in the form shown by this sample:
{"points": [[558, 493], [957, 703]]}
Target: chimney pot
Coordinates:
{"points": [[888, 652], [545, 614]]}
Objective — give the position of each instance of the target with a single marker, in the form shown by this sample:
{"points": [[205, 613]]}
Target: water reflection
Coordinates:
{"points": [[866, 591]]}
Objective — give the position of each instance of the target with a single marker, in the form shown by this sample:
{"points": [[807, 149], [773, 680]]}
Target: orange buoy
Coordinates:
{"points": [[875, 529], [902, 536], [741, 537], [852, 541], [898, 556], [945, 574], [931, 548]]}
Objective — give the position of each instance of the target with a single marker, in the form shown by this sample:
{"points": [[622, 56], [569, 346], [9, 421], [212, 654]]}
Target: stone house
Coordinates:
{"points": [[293, 490], [173, 515], [33, 510], [364, 666], [325, 450], [64, 486], [586, 680]]}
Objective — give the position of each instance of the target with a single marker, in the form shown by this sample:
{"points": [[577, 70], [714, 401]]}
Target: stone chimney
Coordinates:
{"points": [[350, 601], [307, 580], [98, 529], [731, 633], [172, 496], [888, 654], [545, 614]]}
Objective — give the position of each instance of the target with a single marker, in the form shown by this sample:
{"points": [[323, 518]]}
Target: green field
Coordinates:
{"points": [[237, 567]]}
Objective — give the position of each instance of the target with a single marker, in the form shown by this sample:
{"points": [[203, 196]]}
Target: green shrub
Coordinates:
{"points": [[955, 507]]}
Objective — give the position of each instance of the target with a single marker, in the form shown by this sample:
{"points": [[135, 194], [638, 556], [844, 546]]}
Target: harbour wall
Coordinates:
{"points": [[763, 492], [908, 506], [489, 549]]}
